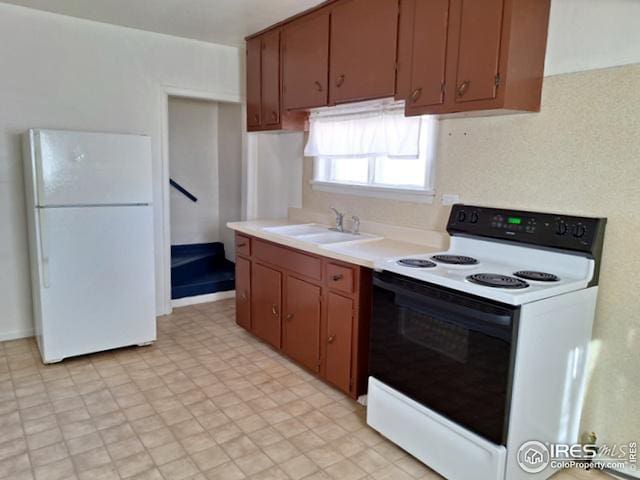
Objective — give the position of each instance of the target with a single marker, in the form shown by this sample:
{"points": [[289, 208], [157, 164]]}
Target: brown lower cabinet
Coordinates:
{"points": [[266, 303], [313, 309]]}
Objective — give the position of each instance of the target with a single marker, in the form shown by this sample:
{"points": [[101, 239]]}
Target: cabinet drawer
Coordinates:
{"points": [[340, 277], [243, 245], [288, 259]]}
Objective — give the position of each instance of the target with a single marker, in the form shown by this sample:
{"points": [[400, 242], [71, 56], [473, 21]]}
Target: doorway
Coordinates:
{"points": [[205, 169]]}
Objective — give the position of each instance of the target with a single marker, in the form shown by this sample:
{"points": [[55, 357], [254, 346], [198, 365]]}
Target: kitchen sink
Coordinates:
{"points": [[319, 234], [297, 230]]}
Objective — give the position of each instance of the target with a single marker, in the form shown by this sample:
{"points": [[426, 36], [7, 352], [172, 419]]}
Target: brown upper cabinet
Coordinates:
{"points": [[306, 62], [264, 99], [363, 50], [270, 75], [469, 55], [254, 89], [441, 56]]}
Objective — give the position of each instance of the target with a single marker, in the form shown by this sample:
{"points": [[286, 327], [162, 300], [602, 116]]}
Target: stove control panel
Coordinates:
{"points": [[565, 232]]}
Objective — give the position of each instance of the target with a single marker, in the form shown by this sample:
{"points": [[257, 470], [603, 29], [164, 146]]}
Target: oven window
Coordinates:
{"points": [[446, 360]]}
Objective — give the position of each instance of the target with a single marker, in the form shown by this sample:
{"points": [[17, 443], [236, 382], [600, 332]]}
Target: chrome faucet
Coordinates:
{"points": [[356, 225], [339, 220]]}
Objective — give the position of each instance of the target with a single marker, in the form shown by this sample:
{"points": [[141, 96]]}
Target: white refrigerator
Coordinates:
{"points": [[91, 241]]}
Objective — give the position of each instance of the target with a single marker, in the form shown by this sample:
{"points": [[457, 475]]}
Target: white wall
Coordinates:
{"points": [[592, 34], [193, 163], [275, 174], [61, 72], [230, 156]]}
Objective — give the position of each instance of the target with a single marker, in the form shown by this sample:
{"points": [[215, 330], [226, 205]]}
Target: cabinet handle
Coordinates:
{"points": [[340, 81], [243, 296], [337, 278], [462, 89], [256, 118], [318, 86], [274, 116], [416, 94], [274, 310], [289, 316], [331, 338], [243, 244]]}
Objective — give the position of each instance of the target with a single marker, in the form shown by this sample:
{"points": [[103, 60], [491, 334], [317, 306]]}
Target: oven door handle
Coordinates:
{"points": [[437, 305]]}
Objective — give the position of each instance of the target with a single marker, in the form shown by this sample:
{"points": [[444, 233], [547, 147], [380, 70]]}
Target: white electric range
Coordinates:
{"points": [[477, 350]]}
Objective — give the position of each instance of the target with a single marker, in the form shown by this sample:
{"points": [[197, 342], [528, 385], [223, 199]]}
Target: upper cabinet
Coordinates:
{"points": [[470, 55], [428, 54], [306, 62], [254, 101], [363, 50], [270, 63], [264, 86], [440, 56]]}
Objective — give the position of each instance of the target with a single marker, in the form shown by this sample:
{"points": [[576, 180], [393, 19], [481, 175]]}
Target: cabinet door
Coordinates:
{"points": [[428, 59], [363, 50], [405, 46], [339, 335], [301, 335], [243, 292], [271, 78], [253, 82], [306, 62], [266, 300], [479, 39]]}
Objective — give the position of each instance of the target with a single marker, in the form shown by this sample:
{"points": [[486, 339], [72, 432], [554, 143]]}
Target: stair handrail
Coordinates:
{"points": [[183, 190]]}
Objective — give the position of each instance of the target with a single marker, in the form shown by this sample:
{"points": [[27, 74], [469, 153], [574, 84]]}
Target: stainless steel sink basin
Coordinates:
{"points": [[319, 234]]}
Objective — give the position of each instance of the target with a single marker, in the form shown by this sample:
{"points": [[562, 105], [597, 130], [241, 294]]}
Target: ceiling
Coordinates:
{"points": [[226, 22]]}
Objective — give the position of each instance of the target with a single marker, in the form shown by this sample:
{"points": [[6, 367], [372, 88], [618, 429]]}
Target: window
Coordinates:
{"points": [[379, 153]]}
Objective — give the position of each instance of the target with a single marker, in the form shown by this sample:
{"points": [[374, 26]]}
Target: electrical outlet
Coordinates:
{"points": [[450, 199]]}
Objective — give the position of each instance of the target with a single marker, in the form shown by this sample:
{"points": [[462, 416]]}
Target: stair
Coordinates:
{"points": [[200, 269]]}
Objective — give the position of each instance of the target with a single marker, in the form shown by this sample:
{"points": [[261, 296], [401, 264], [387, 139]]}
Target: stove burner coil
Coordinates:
{"points": [[416, 263], [455, 259], [537, 276], [497, 281]]}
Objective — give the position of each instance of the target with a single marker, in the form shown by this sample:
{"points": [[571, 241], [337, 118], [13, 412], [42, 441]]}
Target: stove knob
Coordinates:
{"points": [[561, 227], [462, 216], [474, 217], [579, 230]]}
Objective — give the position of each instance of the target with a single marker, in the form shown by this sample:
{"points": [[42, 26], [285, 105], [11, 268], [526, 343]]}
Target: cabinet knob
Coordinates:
{"points": [[462, 89], [331, 338], [318, 86], [340, 81], [337, 278], [274, 116], [243, 296], [256, 118], [274, 310], [289, 316], [416, 94]]}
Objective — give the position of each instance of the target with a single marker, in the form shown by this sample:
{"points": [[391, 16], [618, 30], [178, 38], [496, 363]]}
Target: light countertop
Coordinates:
{"points": [[363, 253]]}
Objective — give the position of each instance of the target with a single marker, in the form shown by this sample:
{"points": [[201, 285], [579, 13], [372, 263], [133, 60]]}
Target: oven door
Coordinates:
{"points": [[444, 349]]}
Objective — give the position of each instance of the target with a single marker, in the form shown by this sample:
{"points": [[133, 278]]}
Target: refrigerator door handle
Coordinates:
{"points": [[44, 256]]}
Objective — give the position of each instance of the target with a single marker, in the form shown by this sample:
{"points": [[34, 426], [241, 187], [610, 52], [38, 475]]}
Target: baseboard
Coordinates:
{"points": [[210, 297], [16, 334]]}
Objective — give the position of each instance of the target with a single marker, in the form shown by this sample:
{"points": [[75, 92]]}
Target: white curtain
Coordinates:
{"points": [[377, 133]]}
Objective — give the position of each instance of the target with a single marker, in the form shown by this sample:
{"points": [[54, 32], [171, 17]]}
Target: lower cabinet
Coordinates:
{"points": [[339, 330], [266, 303], [301, 329], [314, 309]]}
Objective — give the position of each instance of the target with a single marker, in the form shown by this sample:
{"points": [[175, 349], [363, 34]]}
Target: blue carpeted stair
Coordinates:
{"points": [[200, 269]]}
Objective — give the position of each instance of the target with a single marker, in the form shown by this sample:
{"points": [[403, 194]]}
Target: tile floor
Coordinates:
{"points": [[207, 401]]}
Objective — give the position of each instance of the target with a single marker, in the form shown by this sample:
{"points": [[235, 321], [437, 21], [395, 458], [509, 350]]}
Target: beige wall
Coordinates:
{"points": [[580, 155]]}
